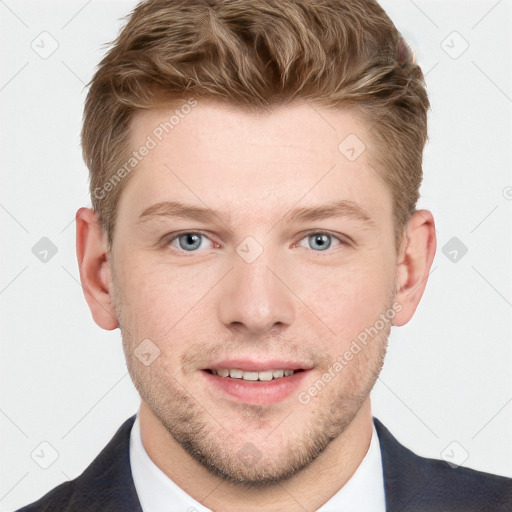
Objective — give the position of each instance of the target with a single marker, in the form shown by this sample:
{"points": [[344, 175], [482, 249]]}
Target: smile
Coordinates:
{"points": [[265, 375], [254, 386]]}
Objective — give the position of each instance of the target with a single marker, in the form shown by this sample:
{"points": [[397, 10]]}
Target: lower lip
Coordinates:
{"points": [[257, 392]]}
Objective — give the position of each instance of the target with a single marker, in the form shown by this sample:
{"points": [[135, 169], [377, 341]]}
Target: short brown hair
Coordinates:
{"points": [[258, 54]]}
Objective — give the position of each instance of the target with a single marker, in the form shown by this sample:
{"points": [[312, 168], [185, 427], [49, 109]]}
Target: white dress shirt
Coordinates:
{"points": [[364, 492]]}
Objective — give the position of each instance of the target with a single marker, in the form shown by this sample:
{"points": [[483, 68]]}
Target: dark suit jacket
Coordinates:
{"points": [[412, 483]]}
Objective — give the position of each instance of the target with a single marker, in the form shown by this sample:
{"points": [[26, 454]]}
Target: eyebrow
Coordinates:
{"points": [[342, 208], [177, 209]]}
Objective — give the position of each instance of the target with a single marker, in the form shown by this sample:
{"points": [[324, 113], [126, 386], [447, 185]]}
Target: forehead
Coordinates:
{"points": [[251, 162]]}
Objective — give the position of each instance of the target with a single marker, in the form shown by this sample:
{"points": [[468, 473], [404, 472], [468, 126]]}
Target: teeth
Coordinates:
{"points": [[262, 376]]}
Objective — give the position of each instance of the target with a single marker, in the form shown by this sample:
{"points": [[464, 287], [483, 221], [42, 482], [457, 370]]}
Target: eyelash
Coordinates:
{"points": [[169, 239]]}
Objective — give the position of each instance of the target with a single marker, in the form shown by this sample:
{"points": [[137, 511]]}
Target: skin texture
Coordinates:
{"points": [[295, 301]]}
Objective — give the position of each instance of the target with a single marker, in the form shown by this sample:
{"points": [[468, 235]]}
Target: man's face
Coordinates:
{"points": [[255, 287]]}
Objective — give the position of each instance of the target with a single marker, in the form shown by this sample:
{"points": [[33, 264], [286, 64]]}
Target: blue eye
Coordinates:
{"points": [[191, 241], [188, 242], [320, 241]]}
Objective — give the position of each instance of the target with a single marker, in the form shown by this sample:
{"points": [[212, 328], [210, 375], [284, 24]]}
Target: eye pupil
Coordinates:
{"points": [[323, 241], [193, 239]]}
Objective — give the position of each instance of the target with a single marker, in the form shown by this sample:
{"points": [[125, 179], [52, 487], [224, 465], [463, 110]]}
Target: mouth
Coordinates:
{"points": [[260, 383], [253, 376]]}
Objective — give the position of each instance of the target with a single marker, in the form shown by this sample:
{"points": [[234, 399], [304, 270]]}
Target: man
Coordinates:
{"points": [[254, 172]]}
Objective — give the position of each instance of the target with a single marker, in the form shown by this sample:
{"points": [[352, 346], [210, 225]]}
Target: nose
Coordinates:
{"points": [[255, 300]]}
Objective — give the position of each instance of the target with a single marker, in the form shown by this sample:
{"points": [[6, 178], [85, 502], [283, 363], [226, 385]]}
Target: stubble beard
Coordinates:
{"points": [[200, 432]]}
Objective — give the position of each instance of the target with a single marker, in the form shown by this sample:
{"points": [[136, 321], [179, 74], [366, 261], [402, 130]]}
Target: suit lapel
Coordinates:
{"points": [[110, 477], [404, 479]]}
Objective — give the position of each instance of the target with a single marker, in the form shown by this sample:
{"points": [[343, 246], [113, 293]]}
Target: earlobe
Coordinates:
{"points": [[94, 267], [413, 264]]}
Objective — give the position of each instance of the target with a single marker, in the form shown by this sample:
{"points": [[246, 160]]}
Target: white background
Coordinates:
{"points": [[64, 381]]}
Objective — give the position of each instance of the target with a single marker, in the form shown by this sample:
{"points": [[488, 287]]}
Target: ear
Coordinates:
{"points": [[94, 266], [415, 258]]}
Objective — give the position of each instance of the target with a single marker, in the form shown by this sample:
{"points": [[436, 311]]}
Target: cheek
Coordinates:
{"points": [[159, 298], [349, 297]]}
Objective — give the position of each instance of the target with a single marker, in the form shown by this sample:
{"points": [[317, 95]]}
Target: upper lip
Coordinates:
{"points": [[258, 365]]}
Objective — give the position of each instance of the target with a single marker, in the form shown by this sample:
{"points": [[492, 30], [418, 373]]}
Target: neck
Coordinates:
{"points": [[309, 489]]}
